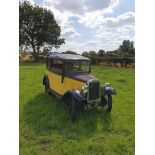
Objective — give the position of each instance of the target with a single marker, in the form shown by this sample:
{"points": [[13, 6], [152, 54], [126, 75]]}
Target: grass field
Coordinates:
{"points": [[45, 126]]}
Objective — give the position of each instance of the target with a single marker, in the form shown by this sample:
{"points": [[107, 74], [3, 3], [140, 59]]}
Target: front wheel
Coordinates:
{"points": [[106, 102], [73, 108], [109, 103]]}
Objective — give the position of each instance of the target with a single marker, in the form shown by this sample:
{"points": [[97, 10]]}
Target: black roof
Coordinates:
{"points": [[67, 57]]}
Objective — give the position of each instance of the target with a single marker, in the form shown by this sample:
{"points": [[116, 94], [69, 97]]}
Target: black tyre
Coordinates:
{"points": [[103, 101], [73, 108], [109, 103], [47, 89]]}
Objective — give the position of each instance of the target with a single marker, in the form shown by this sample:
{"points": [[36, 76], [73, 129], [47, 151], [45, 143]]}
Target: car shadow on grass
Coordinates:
{"points": [[46, 114]]}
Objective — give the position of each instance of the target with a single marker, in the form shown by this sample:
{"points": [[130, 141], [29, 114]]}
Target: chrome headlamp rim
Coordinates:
{"points": [[84, 89], [107, 86]]}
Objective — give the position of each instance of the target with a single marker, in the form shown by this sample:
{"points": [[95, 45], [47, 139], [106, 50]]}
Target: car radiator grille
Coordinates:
{"points": [[93, 91]]}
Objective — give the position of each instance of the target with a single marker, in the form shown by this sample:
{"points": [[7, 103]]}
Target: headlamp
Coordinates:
{"points": [[84, 90]]}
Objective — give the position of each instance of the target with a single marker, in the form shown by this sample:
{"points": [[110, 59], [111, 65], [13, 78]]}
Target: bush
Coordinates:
{"points": [[113, 61]]}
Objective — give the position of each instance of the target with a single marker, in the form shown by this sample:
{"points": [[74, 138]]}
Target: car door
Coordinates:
{"points": [[55, 76]]}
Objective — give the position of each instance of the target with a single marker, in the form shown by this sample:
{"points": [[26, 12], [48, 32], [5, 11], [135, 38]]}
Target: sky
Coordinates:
{"points": [[92, 24]]}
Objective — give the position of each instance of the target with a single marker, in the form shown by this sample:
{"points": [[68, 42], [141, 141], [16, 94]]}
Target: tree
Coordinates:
{"points": [[101, 52], [85, 54], [69, 52], [132, 52], [38, 28], [127, 48], [46, 51], [92, 53]]}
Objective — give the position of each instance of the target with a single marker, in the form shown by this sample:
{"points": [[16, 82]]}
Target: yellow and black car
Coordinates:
{"points": [[69, 77]]}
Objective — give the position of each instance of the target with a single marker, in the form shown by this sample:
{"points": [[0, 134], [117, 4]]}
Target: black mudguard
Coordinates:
{"points": [[104, 92], [110, 92], [76, 94]]}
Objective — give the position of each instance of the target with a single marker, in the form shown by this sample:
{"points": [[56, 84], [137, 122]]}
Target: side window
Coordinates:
{"points": [[57, 66]]}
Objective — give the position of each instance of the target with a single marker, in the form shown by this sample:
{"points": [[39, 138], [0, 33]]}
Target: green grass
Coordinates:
{"points": [[45, 126]]}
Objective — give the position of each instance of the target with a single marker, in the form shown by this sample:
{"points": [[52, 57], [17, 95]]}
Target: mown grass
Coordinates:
{"points": [[45, 126]]}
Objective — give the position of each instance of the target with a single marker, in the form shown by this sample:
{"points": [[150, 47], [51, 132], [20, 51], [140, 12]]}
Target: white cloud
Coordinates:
{"points": [[124, 19], [81, 47], [100, 20], [113, 30], [116, 26], [81, 6], [69, 45], [70, 33], [85, 10], [110, 31], [31, 1]]}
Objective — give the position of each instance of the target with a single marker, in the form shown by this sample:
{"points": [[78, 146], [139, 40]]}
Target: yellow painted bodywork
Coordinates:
{"points": [[61, 88]]}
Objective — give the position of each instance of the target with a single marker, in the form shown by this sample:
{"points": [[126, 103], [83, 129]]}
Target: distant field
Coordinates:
{"points": [[45, 127]]}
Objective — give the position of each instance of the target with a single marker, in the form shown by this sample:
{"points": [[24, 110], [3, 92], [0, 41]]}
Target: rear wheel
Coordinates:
{"points": [[47, 89]]}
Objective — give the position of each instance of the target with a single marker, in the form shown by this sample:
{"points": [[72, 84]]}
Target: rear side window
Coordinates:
{"points": [[57, 66]]}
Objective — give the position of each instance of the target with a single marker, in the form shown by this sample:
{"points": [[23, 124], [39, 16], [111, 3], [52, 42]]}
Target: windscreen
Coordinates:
{"points": [[77, 66]]}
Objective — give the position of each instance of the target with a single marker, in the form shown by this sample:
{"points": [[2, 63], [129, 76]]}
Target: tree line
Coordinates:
{"points": [[126, 49], [124, 55]]}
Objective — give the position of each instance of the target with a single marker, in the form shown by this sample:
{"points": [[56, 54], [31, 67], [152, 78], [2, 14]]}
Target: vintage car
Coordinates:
{"points": [[69, 77]]}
